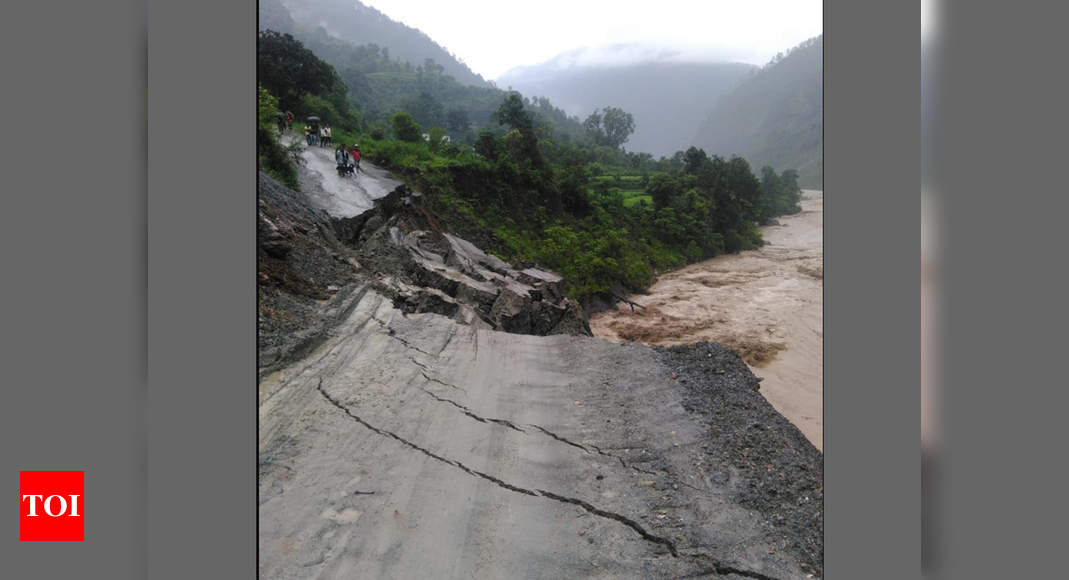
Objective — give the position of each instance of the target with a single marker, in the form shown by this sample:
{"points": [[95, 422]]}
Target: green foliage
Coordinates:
{"points": [[405, 128], [780, 193], [611, 128], [325, 110], [289, 71], [522, 140], [436, 138], [271, 156]]}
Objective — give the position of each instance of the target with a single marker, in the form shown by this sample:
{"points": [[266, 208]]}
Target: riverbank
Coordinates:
{"points": [[766, 304]]}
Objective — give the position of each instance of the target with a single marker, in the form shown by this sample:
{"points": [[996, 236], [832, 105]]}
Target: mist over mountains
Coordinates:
{"points": [[775, 117], [352, 21], [667, 97]]}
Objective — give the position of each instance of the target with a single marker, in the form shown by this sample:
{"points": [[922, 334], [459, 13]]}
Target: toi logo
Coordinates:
{"points": [[51, 504]]}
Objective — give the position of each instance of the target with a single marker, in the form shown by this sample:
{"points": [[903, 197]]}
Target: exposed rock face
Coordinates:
{"points": [[310, 266], [428, 271], [522, 302]]}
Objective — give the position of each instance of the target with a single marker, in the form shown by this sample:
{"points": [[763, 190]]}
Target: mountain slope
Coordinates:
{"points": [[775, 117], [666, 98], [354, 22]]}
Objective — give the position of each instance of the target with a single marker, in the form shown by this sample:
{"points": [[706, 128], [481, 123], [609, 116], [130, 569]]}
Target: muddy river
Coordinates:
{"points": [[766, 304]]}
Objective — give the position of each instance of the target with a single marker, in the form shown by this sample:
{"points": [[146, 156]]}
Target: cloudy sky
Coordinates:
{"points": [[492, 36]]}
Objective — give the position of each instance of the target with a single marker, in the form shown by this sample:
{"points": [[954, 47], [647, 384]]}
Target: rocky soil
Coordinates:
{"points": [[768, 463], [310, 262]]}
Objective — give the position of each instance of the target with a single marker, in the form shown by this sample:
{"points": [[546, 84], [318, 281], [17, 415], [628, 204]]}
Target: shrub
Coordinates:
{"points": [[405, 128]]}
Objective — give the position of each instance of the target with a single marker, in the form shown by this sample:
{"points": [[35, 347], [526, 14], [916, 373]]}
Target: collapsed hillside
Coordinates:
{"points": [[401, 430], [309, 264]]}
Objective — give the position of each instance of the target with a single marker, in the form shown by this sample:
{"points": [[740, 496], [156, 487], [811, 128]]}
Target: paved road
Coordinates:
{"points": [[341, 197], [414, 447]]}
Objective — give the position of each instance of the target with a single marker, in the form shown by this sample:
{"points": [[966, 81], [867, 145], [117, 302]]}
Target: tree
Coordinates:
{"points": [[611, 127], [512, 113], [288, 70], [270, 154], [693, 160], [618, 125], [487, 146], [662, 188], [592, 124], [790, 192], [437, 137], [405, 128]]}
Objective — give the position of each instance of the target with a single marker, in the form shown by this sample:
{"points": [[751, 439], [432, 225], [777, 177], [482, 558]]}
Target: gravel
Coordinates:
{"points": [[778, 472]]}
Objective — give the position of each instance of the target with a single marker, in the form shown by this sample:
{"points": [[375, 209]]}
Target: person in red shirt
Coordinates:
{"points": [[355, 152]]}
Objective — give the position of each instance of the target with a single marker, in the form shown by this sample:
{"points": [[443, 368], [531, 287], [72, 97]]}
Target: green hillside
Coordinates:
{"points": [[775, 117]]}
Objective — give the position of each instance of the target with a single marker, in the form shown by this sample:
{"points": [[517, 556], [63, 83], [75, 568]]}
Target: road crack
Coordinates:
{"points": [[469, 413], [595, 448], [559, 438], [500, 483], [392, 333], [441, 382]]}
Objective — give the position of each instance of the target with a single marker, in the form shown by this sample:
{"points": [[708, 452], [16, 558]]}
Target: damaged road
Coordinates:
{"points": [[398, 440], [551, 457]]}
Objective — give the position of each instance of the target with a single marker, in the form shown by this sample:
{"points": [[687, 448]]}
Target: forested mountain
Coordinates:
{"points": [[356, 23], [775, 117], [666, 98], [381, 83]]}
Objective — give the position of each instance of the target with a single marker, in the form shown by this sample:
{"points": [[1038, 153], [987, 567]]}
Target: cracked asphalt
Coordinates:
{"points": [[414, 447]]}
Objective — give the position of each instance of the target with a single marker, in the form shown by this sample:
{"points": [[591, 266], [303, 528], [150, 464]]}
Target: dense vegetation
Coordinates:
{"points": [[606, 219], [776, 116], [383, 80], [358, 24]]}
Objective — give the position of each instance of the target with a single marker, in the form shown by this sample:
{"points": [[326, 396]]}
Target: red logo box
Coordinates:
{"points": [[52, 506]]}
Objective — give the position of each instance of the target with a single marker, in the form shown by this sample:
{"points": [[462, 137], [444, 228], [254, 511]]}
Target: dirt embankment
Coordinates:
{"points": [[766, 304]]}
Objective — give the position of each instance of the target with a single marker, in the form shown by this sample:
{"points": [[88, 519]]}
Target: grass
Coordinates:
{"points": [[636, 198]]}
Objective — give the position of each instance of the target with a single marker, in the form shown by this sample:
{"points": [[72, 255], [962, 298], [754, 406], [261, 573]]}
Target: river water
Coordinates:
{"points": [[767, 304]]}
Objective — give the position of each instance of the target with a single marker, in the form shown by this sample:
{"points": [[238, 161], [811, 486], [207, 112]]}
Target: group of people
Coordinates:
{"points": [[316, 135], [285, 122], [348, 158]]}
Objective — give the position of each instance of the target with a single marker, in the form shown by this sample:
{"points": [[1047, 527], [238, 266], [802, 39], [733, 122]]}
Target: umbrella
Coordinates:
{"points": [[313, 119]]}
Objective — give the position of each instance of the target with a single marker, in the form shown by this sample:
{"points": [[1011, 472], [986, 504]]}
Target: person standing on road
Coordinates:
{"points": [[341, 155], [355, 152]]}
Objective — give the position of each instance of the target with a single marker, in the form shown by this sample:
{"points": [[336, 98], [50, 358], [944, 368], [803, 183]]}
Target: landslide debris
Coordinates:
{"points": [[312, 268], [423, 269]]}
